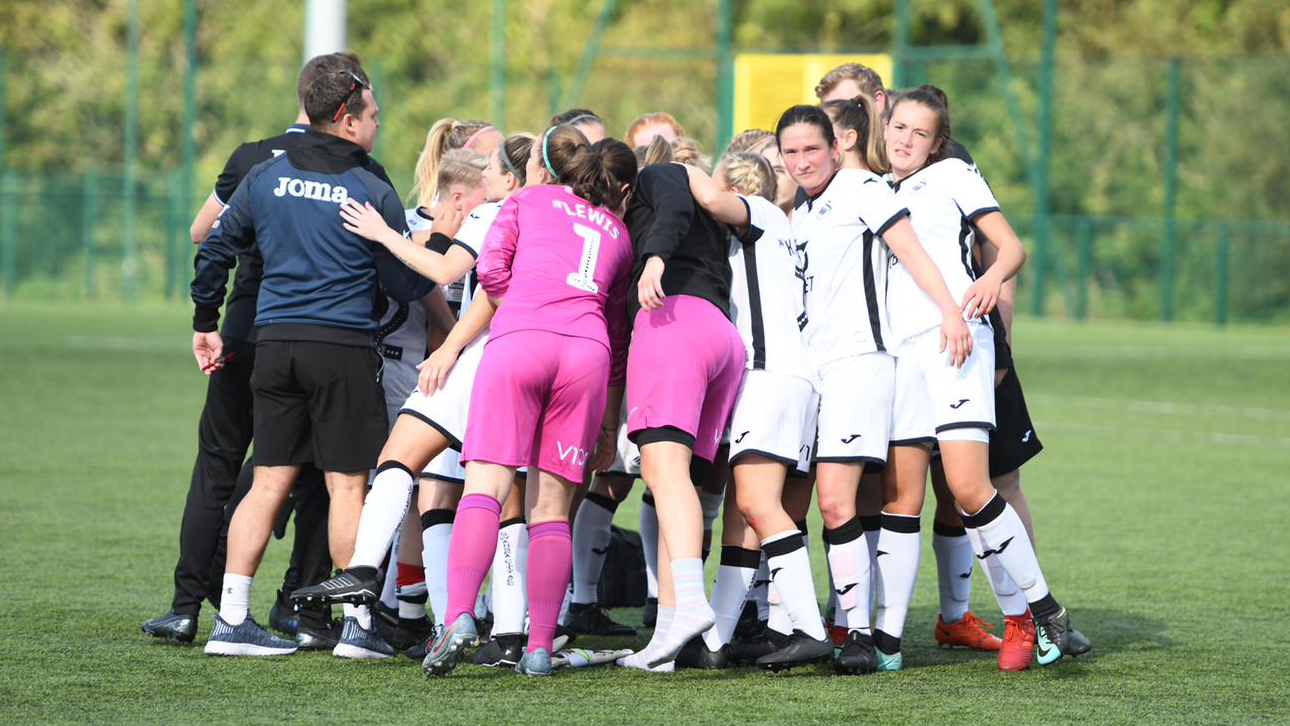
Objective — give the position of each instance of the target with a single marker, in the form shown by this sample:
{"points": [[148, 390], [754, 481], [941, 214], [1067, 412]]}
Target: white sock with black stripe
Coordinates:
{"points": [[897, 557], [591, 533], [436, 533], [1006, 592], [790, 571], [849, 564], [1001, 535], [729, 592], [953, 569], [383, 511]]}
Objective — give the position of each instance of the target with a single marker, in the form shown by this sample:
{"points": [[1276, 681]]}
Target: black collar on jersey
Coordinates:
{"points": [[423, 215], [895, 183], [327, 153], [810, 198]]}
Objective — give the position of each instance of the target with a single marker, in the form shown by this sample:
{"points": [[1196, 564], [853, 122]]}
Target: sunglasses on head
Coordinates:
{"points": [[355, 84]]}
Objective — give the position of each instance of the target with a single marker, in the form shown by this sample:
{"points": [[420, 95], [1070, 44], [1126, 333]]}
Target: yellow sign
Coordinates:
{"points": [[768, 83]]}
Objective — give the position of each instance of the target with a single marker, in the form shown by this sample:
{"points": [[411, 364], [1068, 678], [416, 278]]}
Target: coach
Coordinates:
{"points": [[224, 431], [316, 384]]}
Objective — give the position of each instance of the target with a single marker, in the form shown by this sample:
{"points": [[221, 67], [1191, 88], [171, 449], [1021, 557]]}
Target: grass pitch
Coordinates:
{"points": [[1160, 503]]}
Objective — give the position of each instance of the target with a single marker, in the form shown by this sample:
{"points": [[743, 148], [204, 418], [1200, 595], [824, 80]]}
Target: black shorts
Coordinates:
{"points": [[319, 402], [1013, 441]]}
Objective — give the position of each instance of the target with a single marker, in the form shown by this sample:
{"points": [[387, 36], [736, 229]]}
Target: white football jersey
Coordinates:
{"points": [[942, 198], [844, 264], [767, 294], [471, 237]]}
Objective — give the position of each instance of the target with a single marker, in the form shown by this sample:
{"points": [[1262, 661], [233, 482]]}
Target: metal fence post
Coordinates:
{"points": [[89, 225], [8, 241], [1085, 233], [1167, 252], [497, 65], [900, 69], [725, 76], [129, 243], [169, 251], [1220, 273]]}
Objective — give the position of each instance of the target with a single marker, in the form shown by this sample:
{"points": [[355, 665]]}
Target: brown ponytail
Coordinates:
{"points": [[601, 173]]}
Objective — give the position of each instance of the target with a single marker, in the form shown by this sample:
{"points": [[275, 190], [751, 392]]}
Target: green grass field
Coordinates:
{"points": [[1161, 506]]}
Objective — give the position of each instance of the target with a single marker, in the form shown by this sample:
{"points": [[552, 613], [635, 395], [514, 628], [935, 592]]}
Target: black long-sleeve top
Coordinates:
{"points": [[664, 219]]}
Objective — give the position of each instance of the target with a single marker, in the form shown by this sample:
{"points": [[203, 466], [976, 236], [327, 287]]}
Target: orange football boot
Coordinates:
{"points": [[969, 632], [1018, 642]]}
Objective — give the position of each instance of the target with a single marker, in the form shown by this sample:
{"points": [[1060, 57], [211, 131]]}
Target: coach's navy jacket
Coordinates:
{"points": [[317, 274]]}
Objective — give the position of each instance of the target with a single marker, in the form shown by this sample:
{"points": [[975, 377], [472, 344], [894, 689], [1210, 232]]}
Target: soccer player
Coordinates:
{"points": [[584, 120], [772, 428], [402, 338], [316, 386], [951, 402], [642, 130], [837, 228], [684, 369], [224, 433], [557, 261]]}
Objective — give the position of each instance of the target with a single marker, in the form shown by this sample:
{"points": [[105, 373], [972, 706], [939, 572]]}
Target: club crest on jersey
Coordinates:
{"points": [[318, 191], [828, 207]]}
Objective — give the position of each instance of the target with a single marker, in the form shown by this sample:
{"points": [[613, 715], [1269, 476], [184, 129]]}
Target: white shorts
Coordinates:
{"points": [[936, 401], [446, 410], [446, 466], [774, 417], [627, 459], [855, 409]]}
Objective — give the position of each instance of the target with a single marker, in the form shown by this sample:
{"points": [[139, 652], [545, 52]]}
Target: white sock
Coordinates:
{"points": [[1006, 592], [411, 610], [790, 568], [509, 597], [640, 659], [730, 592], [412, 600], [1002, 536], [390, 586], [649, 542], [953, 569], [871, 527], [590, 543], [759, 591], [778, 618], [235, 601], [436, 533], [849, 565], [383, 511], [898, 551], [563, 618], [693, 613], [832, 606], [361, 613]]}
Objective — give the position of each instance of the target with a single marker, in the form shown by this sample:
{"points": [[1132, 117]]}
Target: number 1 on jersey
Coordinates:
{"points": [[583, 278]]}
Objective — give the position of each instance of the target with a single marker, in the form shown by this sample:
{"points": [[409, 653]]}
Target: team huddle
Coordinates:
{"points": [[472, 385]]}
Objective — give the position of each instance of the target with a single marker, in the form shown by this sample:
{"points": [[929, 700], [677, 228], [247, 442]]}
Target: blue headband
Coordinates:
{"points": [[546, 161]]}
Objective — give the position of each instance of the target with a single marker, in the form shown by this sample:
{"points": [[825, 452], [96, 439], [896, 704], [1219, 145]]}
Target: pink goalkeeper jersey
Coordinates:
{"points": [[560, 265]]}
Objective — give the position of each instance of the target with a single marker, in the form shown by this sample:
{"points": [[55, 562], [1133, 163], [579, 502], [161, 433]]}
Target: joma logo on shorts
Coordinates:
{"points": [[572, 454], [320, 191]]}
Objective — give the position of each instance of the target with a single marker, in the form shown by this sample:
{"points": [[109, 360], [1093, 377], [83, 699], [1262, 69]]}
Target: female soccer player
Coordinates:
{"points": [[684, 369], [556, 261], [447, 134], [951, 402], [772, 428], [584, 120], [645, 127], [844, 264], [761, 141]]}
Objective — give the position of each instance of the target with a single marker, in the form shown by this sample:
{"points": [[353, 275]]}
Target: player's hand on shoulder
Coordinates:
{"points": [[208, 349], [447, 218], [649, 290], [364, 220]]}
